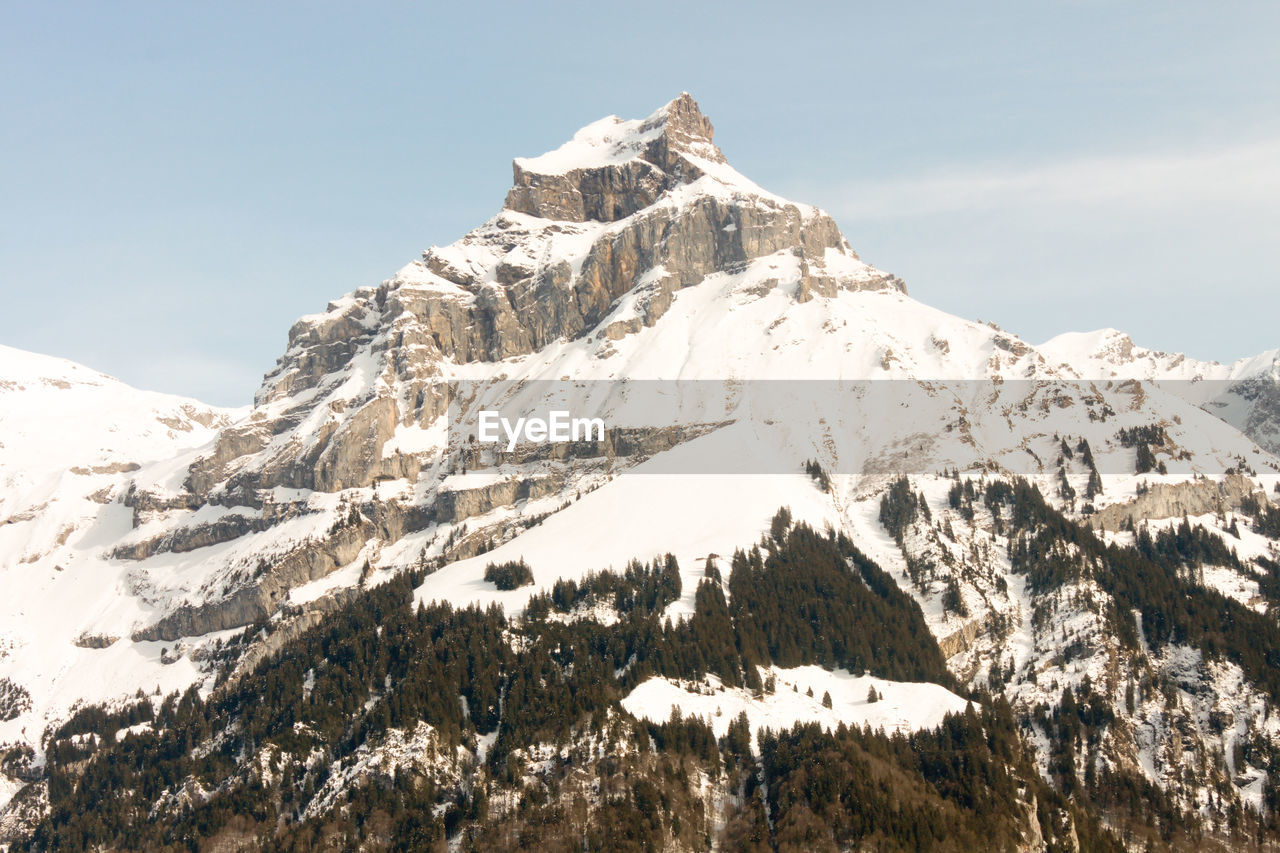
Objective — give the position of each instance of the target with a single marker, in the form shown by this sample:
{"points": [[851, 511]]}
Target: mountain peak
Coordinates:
{"points": [[677, 126], [597, 239], [687, 128], [613, 167]]}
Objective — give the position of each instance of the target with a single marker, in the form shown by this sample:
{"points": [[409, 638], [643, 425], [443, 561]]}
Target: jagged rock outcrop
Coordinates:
{"points": [[1244, 393], [962, 639], [95, 641], [614, 191], [1173, 500], [184, 539], [267, 590], [629, 224], [263, 595], [460, 504], [595, 242]]}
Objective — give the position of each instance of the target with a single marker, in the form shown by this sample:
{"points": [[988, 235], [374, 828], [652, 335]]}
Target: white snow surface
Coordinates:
{"points": [[71, 439], [609, 141], [638, 516], [905, 707], [1110, 353]]}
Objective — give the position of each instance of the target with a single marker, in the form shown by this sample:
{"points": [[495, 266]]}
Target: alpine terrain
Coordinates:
{"points": [[838, 571]]}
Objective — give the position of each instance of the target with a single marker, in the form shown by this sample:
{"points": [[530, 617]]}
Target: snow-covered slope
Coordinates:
{"points": [[72, 440], [1111, 354], [798, 696], [62, 419], [1243, 393]]}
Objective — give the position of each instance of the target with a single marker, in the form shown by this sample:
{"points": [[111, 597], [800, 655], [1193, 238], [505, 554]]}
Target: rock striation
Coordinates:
{"points": [[1172, 500]]}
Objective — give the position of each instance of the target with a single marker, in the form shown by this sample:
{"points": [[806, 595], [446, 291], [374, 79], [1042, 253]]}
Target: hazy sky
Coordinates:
{"points": [[179, 182]]}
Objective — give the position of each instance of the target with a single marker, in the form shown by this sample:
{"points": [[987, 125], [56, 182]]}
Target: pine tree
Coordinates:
{"points": [[1094, 488]]}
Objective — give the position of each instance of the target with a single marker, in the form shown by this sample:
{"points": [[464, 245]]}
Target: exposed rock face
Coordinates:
{"points": [[1172, 500], [1246, 393], [626, 213], [668, 143], [185, 539], [264, 595], [962, 639], [95, 641], [459, 504], [268, 589], [646, 206]]}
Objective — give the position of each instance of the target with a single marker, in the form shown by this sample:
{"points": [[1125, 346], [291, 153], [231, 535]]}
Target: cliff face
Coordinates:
{"points": [[1175, 500], [627, 167]]}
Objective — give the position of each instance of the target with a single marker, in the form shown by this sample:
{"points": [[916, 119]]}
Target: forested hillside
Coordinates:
{"points": [[391, 726]]}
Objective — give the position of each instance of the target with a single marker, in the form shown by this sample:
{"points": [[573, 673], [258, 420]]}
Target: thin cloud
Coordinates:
{"points": [[1247, 174]]}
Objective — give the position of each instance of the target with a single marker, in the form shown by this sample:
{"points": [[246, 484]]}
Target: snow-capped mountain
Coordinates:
{"points": [[1110, 353], [73, 440], [141, 533], [1242, 393]]}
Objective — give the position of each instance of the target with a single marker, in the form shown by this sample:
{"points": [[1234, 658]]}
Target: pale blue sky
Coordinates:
{"points": [[178, 182]]}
